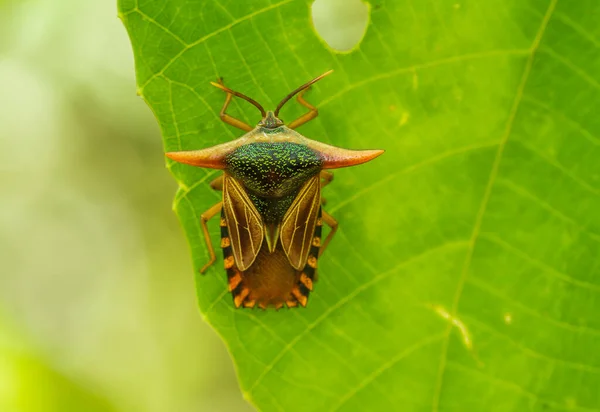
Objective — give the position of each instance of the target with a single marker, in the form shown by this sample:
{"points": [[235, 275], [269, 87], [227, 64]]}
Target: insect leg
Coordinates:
{"points": [[333, 224], [217, 183], [327, 178], [204, 218], [229, 119], [314, 112]]}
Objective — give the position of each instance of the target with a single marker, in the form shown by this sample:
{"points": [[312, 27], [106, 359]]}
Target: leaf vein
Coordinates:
{"points": [[409, 169], [574, 124], [479, 283], [212, 34], [549, 269], [340, 303], [519, 389], [578, 28], [385, 367], [486, 196], [522, 191], [428, 65], [573, 67], [552, 162], [165, 29], [533, 353]]}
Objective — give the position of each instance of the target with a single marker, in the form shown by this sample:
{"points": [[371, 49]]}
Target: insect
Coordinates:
{"points": [[270, 214]]}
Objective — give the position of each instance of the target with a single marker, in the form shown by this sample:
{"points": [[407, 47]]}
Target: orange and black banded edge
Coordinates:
{"points": [[234, 275], [309, 272]]}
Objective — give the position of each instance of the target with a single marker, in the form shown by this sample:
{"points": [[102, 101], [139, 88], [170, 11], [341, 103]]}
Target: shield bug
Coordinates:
{"points": [[270, 213]]}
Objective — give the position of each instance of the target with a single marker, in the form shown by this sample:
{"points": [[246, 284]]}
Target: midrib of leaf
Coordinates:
{"points": [[486, 197]]}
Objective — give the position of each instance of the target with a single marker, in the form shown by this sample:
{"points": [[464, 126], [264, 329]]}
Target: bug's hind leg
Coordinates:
{"points": [[216, 184], [333, 224], [230, 119], [314, 112], [204, 218]]}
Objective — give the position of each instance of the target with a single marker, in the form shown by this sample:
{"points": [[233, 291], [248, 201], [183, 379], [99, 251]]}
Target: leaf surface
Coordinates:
{"points": [[465, 275]]}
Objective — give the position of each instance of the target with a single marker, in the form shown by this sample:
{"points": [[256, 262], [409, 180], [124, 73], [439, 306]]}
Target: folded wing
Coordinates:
{"points": [[243, 221], [298, 223]]}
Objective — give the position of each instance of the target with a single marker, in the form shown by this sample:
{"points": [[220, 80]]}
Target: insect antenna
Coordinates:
{"points": [[298, 90], [243, 96]]}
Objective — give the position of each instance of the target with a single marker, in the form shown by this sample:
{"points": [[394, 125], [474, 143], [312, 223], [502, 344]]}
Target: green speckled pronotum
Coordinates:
{"points": [[271, 212]]}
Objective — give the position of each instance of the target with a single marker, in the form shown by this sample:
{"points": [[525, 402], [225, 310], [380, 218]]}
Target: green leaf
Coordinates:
{"points": [[465, 275]]}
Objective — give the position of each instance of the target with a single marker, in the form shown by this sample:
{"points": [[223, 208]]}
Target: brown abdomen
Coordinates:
{"points": [[270, 280]]}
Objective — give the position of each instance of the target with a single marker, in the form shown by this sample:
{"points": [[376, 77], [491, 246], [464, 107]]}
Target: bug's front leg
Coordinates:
{"points": [[230, 119], [204, 218], [314, 112], [217, 184], [333, 224]]}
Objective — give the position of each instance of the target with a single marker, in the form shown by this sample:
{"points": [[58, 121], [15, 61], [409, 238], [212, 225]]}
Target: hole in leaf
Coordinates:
{"points": [[340, 23]]}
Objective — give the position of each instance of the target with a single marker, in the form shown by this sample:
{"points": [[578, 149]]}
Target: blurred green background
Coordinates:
{"points": [[97, 303]]}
